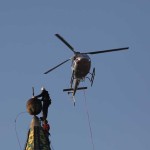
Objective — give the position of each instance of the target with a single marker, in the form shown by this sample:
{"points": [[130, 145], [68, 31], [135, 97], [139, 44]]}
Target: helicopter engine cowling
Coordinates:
{"points": [[81, 67]]}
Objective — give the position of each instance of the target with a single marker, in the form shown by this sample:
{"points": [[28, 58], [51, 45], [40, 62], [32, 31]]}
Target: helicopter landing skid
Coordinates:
{"points": [[93, 75], [71, 89]]}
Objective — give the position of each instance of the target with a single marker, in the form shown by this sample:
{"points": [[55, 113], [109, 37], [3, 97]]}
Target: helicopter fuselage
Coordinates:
{"points": [[81, 65]]}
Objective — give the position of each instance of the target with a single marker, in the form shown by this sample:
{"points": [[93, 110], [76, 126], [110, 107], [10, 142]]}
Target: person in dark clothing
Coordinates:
{"points": [[46, 102]]}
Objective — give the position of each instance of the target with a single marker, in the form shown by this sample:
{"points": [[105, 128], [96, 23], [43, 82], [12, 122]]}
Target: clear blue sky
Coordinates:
{"points": [[119, 101]]}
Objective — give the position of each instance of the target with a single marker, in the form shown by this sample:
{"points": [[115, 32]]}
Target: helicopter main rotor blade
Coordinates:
{"points": [[65, 42], [105, 51], [56, 66]]}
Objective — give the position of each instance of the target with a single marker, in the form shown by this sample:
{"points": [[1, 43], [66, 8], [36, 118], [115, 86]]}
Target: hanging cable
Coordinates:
{"points": [[88, 116], [16, 128], [52, 147]]}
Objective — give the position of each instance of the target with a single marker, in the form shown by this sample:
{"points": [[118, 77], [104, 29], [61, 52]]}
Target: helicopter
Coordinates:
{"points": [[81, 65]]}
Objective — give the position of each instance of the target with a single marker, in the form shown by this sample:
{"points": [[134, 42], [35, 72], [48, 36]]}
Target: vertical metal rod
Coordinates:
{"points": [[32, 91]]}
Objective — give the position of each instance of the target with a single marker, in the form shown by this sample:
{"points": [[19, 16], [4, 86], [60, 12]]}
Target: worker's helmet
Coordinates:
{"points": [[42, 88]]}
